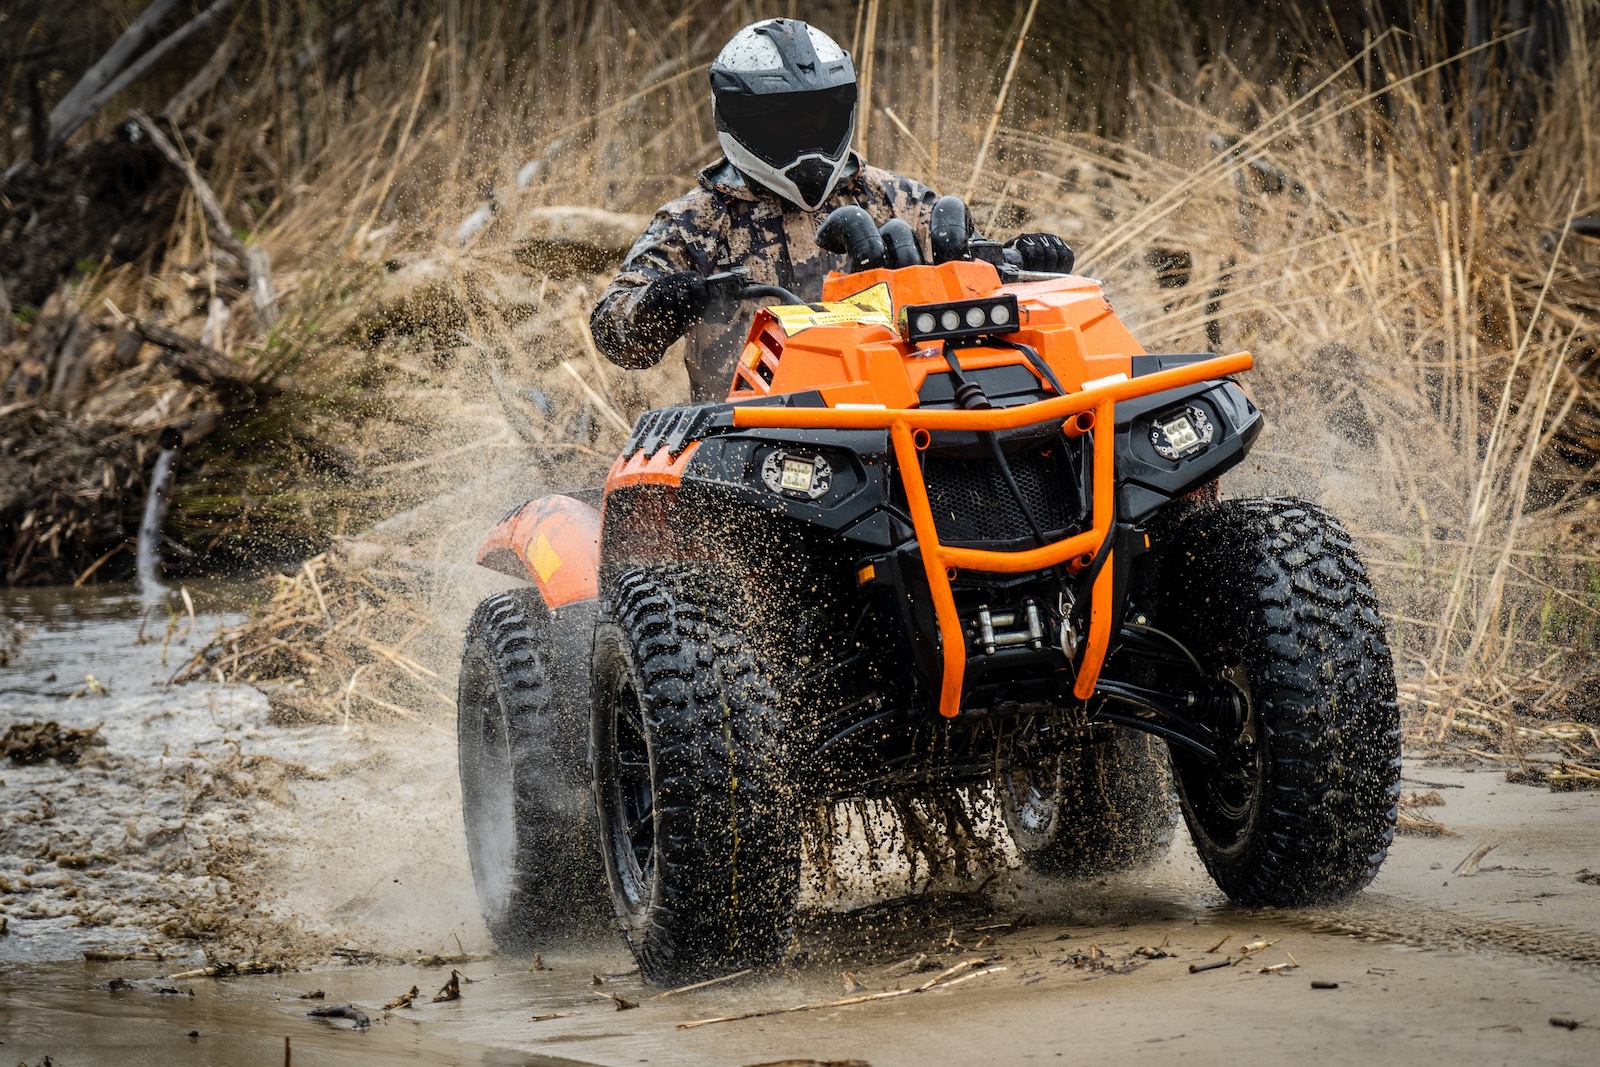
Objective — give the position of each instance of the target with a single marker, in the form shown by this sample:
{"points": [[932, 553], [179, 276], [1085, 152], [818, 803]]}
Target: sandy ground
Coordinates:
{"points": [[196, 819]]}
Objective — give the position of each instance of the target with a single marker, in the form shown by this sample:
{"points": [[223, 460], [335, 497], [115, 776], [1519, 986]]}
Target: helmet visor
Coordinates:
{"points": [[781, 127]]}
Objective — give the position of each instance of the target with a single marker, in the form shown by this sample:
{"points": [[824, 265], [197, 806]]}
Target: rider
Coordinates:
{"points": [[784, 97]]}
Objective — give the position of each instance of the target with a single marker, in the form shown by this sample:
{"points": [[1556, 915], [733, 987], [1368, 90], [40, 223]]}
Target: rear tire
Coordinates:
{"points": [[1101, 806], [698, 818], [1270, 596], [521, 733]]}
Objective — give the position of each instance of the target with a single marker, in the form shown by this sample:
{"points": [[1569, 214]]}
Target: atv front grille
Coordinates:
{"points": [[971, 502]]}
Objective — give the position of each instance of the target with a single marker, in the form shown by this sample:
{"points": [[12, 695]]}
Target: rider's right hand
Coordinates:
{"points": [[671, 304]]}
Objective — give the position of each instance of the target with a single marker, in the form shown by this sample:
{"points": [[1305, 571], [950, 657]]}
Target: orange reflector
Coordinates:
{"points": [[866, 574]]}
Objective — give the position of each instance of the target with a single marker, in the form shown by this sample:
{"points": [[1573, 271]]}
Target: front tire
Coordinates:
{"points": [[521, 734], [1271, 597], [698, 818]]}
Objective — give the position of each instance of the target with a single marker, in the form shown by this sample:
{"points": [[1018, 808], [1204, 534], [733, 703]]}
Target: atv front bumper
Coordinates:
{"points": [[1080, 413]]}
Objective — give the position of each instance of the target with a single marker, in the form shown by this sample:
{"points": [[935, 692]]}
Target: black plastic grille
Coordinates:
{"points": [[971, 501]]}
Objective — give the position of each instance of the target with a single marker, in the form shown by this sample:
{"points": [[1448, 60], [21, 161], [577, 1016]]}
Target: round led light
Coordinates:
{"points": [[975, 316], [925, 322], [950, 320], [1000, 314]]}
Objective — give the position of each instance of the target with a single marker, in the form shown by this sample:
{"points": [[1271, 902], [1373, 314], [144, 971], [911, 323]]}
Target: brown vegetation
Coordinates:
{"points": [[1394, 216]]}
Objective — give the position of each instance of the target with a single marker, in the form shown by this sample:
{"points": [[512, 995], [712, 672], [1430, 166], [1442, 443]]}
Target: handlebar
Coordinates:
{"points": [[728, 287], [754, 291], [850, 226]]}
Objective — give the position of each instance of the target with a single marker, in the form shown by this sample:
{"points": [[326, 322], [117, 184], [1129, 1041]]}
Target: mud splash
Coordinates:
{"points": [[193, 828]]}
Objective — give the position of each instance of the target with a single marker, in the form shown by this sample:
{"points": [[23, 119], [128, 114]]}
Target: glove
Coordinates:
{"points": [[1043, 252], [670, 305]]}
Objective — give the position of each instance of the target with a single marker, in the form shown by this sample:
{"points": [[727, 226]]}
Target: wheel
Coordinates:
{"points": [[699, 825], [1103, 805], [524, 788], [1271, 598]]}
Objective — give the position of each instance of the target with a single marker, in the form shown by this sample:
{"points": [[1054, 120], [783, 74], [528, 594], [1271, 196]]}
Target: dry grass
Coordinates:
{"points": [[1422, 315]]}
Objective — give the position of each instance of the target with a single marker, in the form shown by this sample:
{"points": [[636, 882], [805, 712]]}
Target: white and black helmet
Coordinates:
{"points": [[785, 103]]}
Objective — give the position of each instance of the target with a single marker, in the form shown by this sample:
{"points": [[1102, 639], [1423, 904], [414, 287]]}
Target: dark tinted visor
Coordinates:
{"points": [[780, 127]]}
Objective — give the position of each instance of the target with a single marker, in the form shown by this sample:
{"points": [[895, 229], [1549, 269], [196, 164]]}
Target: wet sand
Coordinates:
{"points": [[358, 847]]}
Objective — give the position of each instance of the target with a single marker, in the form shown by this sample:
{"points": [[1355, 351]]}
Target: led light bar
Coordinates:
{"points": [[961, 318]]}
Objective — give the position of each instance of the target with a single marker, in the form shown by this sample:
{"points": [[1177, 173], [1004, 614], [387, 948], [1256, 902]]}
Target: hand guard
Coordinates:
{"points": [[1043, 252]]}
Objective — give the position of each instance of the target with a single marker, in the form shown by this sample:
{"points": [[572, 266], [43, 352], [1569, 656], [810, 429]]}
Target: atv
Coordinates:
{"points": [[953, 532]]}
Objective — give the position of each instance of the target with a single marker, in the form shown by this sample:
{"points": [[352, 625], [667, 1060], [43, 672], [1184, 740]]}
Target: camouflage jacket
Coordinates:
{"points": [[727, 223]]}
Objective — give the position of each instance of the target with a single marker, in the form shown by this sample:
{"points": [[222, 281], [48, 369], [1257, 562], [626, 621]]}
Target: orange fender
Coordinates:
{"points": [[554, 542]]}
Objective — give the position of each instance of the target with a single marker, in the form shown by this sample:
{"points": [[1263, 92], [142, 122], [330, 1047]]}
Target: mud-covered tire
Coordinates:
{"points": [[1271, 593], [1101, 806], [698, 819], [522, 731]]}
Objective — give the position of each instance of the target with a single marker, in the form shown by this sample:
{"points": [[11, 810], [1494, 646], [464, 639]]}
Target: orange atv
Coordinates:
{"points": [[953, 527]]}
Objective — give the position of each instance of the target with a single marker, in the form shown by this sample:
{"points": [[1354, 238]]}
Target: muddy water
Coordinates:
{"points": [[199, 827]]}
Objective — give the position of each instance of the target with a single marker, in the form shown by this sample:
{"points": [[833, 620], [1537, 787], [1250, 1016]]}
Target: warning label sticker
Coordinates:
{"points": [[870, 307]]}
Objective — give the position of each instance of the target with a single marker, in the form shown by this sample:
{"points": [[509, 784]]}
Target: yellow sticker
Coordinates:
{"points": [[876, 298], [543, 557], [870, 307]]}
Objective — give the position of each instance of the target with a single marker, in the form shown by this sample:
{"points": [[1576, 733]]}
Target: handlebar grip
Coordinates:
{"points": [[949, 229], [850, 231]]}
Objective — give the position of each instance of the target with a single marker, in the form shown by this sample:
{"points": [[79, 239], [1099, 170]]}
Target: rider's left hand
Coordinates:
{"points": [[1043, 252]]}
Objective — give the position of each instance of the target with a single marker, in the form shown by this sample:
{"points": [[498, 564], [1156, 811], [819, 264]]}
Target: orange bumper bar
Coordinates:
{"points": [[940, 560]]}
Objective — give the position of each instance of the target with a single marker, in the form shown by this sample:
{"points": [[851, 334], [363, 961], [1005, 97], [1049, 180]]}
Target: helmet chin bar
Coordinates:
{"points": [[783, 181]]}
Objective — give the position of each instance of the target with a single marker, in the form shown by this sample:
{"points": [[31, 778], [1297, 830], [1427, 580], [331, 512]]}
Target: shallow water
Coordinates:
{"points": [[201, 828]]}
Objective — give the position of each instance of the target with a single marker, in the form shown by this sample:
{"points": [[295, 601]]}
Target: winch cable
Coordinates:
{"points": [[971, 397]]}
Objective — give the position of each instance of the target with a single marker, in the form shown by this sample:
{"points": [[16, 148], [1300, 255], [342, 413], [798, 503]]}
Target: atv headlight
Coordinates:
{"points": [[796, 474], [1181, 432], [961, 318]]}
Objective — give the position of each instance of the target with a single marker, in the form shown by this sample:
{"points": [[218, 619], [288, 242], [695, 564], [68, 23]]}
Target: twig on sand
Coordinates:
{"points": [[944, 978], [404, 1000], [622, 1003], [703, 985], [451, 990], [1469, 866], [1246, 951]]}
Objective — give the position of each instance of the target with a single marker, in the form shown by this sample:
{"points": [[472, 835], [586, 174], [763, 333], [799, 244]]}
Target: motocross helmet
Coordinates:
{"points": [[784, 96]]}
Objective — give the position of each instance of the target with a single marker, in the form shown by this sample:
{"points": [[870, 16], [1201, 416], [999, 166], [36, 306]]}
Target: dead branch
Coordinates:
{"points": [[119, 80], [702, 985], [136, 70], [197, 362], [254, 258], [221, 231], [74, 109], [204, 80], [946, 977]]}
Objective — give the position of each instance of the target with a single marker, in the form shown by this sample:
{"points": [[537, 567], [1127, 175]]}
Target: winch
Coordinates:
{"points": [[1007, 628]]}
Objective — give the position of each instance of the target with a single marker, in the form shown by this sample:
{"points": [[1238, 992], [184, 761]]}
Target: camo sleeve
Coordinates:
{"points": [[683, 236]]}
